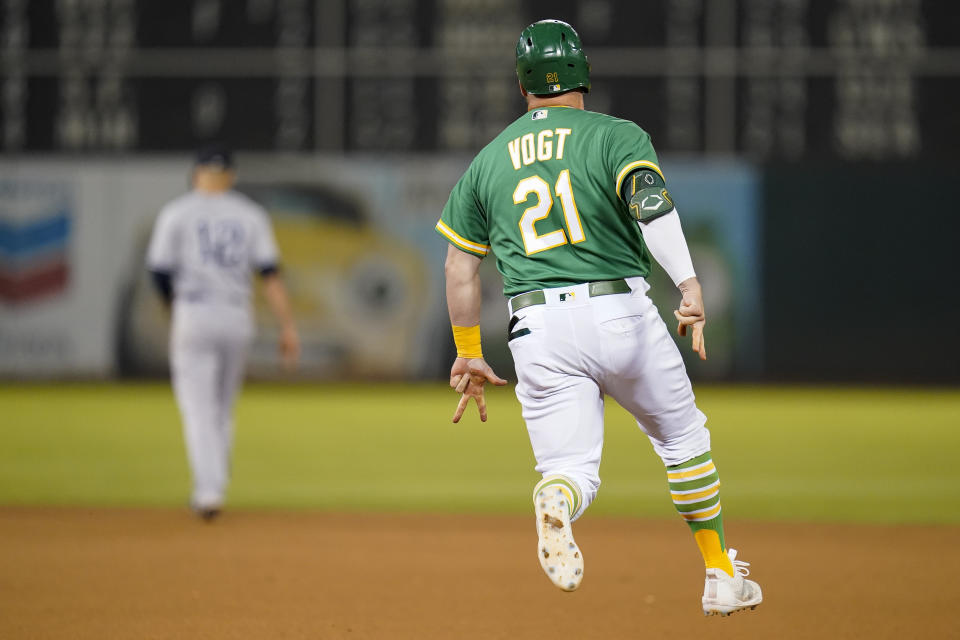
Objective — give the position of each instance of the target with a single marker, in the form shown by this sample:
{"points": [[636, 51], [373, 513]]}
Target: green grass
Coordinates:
{"points": [[859, 455]]}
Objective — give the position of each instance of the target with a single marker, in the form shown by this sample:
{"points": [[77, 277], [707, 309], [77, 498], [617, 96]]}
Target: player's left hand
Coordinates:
{"points": [[467, 377], [691, 314]]}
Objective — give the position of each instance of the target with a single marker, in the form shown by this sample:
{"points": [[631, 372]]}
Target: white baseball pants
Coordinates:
{"points": [[208, 349], [580, 348]]}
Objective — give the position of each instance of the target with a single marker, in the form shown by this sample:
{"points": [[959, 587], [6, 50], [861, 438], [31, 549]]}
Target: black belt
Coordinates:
{"points": [[600, 288], [531, 298]]}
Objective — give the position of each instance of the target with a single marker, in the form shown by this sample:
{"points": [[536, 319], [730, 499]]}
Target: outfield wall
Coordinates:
{"points": [[862, 272], [819, 273], [361, 258]]}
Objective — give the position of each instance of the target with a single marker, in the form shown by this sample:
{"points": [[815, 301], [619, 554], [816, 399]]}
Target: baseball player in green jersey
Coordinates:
{"points": [[573, 204]]}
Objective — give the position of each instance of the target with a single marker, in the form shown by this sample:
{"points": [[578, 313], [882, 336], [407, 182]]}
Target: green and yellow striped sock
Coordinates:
{"points": [[565, 484], [695, 489]]}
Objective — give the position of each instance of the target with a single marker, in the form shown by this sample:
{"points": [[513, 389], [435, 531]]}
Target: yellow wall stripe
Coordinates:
{"points": [[460, 241], [633, 165]]}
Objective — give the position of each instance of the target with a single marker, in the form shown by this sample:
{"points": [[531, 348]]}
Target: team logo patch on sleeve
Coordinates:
{"points": [[656, 201], [647, 196], [649, 204], [540, 114]]}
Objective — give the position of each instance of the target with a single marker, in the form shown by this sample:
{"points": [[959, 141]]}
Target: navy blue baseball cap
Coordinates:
{"points": [[215, 155]]}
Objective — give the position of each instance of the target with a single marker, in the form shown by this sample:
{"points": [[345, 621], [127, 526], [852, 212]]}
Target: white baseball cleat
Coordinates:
{"points": [[723, 595], [207, 511], [559, 555]]}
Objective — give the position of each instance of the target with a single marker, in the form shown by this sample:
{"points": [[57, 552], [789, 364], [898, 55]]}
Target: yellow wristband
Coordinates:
{"points": [[467, 340]]}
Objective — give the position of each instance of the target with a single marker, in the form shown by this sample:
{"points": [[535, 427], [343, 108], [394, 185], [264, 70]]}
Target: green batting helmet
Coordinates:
{"points": [[550, 59]]}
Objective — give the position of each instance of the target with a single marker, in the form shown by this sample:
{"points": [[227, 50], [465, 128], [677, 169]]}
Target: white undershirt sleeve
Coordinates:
{"points": [[664, 239], [265, 252]]}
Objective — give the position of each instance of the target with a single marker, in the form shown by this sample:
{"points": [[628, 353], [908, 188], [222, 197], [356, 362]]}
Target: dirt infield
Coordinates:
{"points": [[72, 573]]}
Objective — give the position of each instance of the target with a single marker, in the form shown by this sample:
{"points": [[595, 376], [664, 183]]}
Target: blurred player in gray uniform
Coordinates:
{"points": [[204, 248]]}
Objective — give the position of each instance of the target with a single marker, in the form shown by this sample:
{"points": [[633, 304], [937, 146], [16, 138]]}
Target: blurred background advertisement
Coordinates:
{"points": [[810, 146]]}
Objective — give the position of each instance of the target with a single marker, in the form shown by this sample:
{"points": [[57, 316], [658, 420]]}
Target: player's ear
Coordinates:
{"points": [[523, 91]]}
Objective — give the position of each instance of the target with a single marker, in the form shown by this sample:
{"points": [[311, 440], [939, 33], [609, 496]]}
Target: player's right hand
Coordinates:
{"points": [[467, 377], [289, 347], [691, 314]]}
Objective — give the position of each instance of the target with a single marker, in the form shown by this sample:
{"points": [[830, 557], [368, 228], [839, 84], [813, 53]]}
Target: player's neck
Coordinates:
{"points": [[212, 182], [573, 99]]}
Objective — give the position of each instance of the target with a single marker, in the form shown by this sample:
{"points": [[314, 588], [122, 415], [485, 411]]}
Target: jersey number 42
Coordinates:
{"points": [[221, 242], [532, 242]]}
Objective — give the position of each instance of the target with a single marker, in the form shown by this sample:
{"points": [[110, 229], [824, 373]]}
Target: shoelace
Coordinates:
{"points": [[739, 566]]}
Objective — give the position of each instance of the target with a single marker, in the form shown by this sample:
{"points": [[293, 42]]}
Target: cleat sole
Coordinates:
{"points": [[557, 551]]}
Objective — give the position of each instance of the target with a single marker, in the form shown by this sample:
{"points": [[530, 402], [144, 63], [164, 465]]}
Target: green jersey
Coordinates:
{"points": [[544, 197]]}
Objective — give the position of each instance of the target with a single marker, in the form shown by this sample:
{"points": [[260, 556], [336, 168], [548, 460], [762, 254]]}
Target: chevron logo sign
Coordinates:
{"points": [[35, 230]]}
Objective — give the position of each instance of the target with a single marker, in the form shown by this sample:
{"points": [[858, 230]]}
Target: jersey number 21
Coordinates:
{"points": [[532, 242]]}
